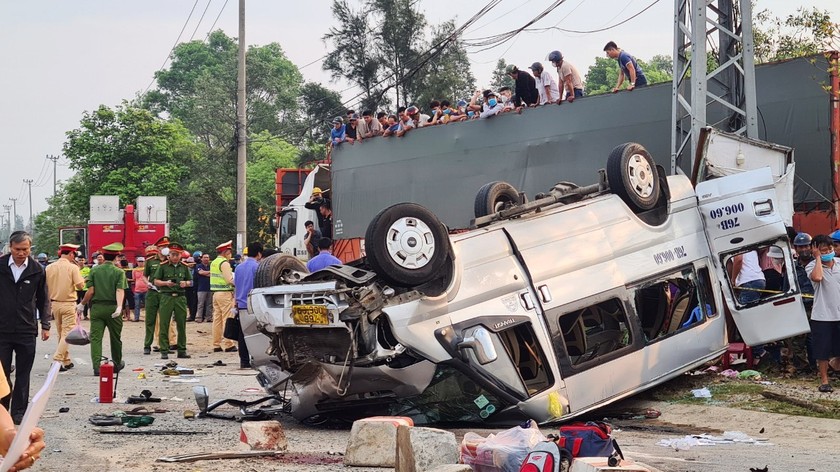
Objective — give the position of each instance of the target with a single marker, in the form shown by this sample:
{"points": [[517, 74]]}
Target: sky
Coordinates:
{"points": [[62, 58]]}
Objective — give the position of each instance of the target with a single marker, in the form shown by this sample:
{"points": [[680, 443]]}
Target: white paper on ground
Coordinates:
{"points": [[30, 420]]}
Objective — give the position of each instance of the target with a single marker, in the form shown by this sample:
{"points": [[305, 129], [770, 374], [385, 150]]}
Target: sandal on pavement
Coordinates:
{"points": [[826, 388]]}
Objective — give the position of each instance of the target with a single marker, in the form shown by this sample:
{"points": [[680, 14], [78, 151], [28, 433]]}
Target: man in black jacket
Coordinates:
{"points": [[23, 297], [526, 92]]}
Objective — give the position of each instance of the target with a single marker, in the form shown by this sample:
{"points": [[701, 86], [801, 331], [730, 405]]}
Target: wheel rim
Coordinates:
{"points": [[410, 243], [640, 175]]}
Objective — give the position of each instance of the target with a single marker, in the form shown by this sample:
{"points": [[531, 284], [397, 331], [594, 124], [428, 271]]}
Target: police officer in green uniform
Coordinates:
{"points": [[106, 287], [152, 297], [172, 278]]}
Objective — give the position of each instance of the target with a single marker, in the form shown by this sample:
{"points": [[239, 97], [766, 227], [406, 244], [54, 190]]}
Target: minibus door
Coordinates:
{"points": [[741, 215]]}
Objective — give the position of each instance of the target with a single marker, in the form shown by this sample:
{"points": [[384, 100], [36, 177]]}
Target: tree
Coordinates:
{"points": [[448, 75], [398, 40], [353, 54], [601, 76], [318, 105], [199, 88], [500, 78], [807, 32], [124, 151], [266, 154]]}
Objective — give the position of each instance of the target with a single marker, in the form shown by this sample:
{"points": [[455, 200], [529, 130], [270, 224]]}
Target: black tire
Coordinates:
{"points": [[493, 197], [632, 175], [406, 245], [270, 269]]}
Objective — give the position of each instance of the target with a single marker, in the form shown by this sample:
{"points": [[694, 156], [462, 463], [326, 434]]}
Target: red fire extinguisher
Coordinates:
{"points": [[106, 382]]}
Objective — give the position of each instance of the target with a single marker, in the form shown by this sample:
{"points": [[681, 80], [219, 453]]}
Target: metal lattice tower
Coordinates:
{"points": [[724, 29]]}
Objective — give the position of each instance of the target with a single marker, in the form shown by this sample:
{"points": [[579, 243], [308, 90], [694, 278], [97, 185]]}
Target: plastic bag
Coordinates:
{"points": [[78, 336], [500, 452]]}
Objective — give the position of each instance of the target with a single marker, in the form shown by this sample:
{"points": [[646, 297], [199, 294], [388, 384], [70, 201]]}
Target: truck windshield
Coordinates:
{"points": [[288, 225]]}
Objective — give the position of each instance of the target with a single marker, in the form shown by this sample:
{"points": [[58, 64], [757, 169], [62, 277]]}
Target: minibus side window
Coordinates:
{"points": [[595, 331], [672, 302], [759, 274]]}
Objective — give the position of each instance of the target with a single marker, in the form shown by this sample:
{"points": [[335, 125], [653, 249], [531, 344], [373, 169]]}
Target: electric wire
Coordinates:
{"points": [[597, 30], [200, 19], [216, 20], [173, 47]]}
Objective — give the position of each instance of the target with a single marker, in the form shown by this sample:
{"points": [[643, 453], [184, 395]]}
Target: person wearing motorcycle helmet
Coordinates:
{"points": [[337, 133], [569, 77], [802, 246], [546, 85], [42, 259]]}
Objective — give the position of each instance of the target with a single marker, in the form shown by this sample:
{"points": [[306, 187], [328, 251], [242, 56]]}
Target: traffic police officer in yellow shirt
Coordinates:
{"points": [[63, 280], [221, 284], [172, 278]]}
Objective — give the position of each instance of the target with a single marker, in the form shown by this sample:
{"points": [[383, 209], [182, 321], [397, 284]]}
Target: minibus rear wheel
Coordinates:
{"points": [[494, 197], [632, 175], [406, 245]]}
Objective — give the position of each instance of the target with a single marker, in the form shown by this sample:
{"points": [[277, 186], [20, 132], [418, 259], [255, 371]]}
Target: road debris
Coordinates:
{"points": [[728, 437], [701, 393], [218, 455]]}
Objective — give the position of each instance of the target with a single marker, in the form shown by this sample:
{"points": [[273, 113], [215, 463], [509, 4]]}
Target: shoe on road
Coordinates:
{"points": [[184, 355], [217, 349], [825, 388], [67, 367], [147, 351], [231, 349], [164, 355]]}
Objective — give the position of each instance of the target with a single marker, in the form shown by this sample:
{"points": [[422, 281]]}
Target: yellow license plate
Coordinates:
{"points": [[310, 315]]}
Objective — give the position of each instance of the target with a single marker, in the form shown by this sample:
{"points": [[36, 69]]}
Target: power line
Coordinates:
{"points": [[173, 47], [200, 19], [216, 20], [598, 30]]}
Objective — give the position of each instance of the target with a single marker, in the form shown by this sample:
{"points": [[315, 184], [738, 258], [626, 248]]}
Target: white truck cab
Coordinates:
{"points": [[291, 230]]}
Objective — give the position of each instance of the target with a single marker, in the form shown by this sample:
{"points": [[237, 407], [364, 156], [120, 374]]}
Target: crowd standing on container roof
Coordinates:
{"points": [[537, 88]]}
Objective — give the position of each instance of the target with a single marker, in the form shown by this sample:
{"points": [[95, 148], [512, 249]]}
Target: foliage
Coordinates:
{"points": [[353, 56], [807, 32], [266, 154], [399, 39], [448, 76], [500, 78], [318, 105]]}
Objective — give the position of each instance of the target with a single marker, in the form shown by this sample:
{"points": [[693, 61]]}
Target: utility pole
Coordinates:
{"points": [[728, 91], [14, 206], [241, 138], [8, 217], [31, 223], [55, 167]]}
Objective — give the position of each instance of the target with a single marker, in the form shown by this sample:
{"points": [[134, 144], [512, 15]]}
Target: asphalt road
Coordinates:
{"points": [[798, 443]]}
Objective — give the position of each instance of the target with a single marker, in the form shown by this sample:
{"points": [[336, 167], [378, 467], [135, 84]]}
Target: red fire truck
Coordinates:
{"points": [[135, 226]]}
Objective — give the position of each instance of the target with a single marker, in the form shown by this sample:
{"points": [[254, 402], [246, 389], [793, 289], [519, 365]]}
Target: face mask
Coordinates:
{"points": [[505, 99], [827, 257], [492, 102], [447, 111], [470, 113], [165, 251]]}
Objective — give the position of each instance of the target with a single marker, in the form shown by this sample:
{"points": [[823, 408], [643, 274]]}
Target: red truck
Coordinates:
{"points": [[135, 226]]}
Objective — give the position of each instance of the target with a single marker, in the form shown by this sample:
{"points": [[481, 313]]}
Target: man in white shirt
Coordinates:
{"points": [[546, 85], [748, 277]]}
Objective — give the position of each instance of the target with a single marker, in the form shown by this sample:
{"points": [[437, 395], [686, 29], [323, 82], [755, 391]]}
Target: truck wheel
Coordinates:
{"points": [[406, 245], [493, 197], [632, 175], [270, 269]]}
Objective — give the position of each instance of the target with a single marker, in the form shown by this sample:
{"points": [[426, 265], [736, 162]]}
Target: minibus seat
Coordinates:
{"points": [[574, 333]]}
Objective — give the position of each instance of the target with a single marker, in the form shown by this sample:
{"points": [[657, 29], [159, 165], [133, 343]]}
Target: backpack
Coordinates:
{"points": [[547, 456], [590, 439]]}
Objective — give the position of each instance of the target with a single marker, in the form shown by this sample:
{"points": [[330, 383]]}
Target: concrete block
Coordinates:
{"points": [[452, 468], [263, 435], [599, 464], [373, 441], [424, 449]]}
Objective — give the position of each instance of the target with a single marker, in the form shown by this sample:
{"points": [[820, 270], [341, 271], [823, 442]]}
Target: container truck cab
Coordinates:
{"points": [[545, 309]]}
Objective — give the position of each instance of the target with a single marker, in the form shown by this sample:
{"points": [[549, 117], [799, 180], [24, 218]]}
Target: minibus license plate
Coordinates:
{"points": [[310, 315]]}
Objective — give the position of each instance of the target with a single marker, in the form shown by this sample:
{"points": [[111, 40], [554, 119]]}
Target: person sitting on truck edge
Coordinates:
{"points": [[382, 118], [546, 85], [568, 76], [628, 67], [419, 118], [526, 87], [392, 127], [505, 96], [337, 133], [824, 272], [351, 130], [324, 257], [315, 201], [437, 112], [368, 127], [325, 220], [310, 241]]}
